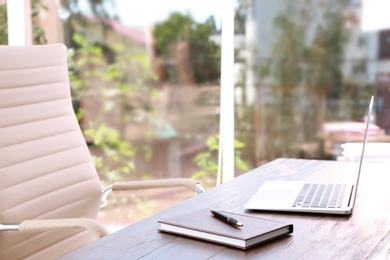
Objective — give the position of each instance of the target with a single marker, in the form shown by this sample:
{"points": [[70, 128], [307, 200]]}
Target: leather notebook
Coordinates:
{"points": [[203, 225]]}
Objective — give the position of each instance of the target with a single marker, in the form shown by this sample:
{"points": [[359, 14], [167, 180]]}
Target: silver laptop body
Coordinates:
{"points": [[306, 196]]}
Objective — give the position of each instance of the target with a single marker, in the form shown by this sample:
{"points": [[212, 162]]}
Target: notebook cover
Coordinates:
{"points": [[204, 221]]}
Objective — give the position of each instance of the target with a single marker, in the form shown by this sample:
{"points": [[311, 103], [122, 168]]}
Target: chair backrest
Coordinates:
{"points": [[46, 171]]}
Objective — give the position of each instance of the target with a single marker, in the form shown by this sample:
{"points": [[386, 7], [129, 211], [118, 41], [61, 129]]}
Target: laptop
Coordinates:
{"points": [[314, 197]]}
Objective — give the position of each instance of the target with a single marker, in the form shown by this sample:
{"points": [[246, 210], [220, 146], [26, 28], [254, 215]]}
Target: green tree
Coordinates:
{"points": [[240, 17], [39, 36], [3, 25], [207, 161], [120, 85], [176, 28], [204, 54], [211, 21], [303, 68], [102, 10]]}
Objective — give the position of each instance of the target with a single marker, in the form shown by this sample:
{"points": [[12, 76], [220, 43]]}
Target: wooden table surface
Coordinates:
{"points": [[363, 235]]}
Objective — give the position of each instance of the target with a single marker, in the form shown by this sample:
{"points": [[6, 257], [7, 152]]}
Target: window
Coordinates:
{"points": [[307, 79]]}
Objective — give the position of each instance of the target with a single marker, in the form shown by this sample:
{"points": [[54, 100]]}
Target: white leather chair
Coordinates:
{"points": [[50, 191]]}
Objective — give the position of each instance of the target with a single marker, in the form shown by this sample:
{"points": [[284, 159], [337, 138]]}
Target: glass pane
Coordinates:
{"points": [[145, 78], [308, 73]]}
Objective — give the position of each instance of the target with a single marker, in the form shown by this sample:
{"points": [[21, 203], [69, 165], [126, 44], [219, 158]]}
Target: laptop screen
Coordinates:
{"points": [[369, 115]]}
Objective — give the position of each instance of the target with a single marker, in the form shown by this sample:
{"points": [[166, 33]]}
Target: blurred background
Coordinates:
{"points": [[145, 78]]}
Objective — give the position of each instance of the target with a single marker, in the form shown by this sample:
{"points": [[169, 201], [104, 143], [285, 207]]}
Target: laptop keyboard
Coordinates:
{"points": [[320, 195]]}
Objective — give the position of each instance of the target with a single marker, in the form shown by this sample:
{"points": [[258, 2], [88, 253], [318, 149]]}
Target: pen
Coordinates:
{"points": [[226, 218]]}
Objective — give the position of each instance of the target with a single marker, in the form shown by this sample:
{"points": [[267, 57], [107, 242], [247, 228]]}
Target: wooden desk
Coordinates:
{"points": [[363, 235]]}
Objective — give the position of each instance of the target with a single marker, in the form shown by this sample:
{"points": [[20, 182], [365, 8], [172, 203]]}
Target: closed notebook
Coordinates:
{"points": [[203, 225]]}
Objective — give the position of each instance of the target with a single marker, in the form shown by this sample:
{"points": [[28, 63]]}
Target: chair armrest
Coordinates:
{"points": [[39, 225], [163, 183], [152, 184]]}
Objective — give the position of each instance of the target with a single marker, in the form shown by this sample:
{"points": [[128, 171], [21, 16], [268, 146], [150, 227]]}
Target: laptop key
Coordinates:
{"points": [[318, 196], [301, 196], [335, 196], [326, 197], [310, 195], [341, 198]]}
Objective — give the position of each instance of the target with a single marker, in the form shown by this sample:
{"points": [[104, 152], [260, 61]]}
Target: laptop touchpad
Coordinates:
{"points": [[276, 194]]}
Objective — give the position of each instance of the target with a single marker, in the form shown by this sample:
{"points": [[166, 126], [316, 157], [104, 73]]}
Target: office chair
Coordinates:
{"points": [[50, 191]]}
